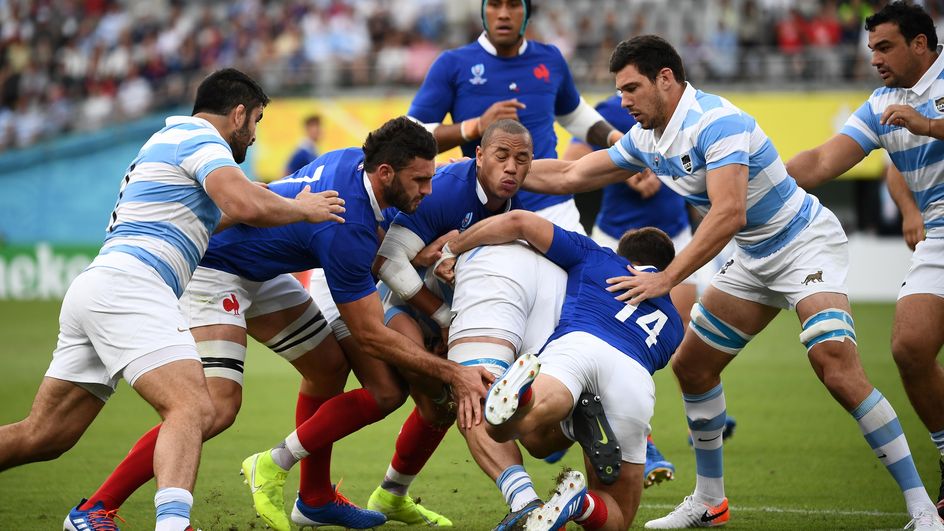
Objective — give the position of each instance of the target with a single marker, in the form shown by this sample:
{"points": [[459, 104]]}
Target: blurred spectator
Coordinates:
{"points": [[307, 149]]}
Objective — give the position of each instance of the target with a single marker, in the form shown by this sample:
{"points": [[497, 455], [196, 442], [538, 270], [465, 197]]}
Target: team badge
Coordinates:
{"points": [[541, 72], [477, 72], [687, 163], [939, 104], [466, 221]]}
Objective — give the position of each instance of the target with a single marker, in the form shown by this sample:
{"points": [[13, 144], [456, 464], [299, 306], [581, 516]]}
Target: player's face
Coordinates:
{"points": [[642, 98], [895, 60], [244, 135], [504, 19], [410, 185], [503, 164]]}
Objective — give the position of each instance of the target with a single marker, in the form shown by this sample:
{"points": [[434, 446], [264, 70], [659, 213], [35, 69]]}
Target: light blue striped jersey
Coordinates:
{"points": [[163, 216], [919, 158], [707, 132]]}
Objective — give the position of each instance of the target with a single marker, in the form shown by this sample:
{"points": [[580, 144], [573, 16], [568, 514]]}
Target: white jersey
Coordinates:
{"points": [[163, 216], [919, 158], [707, 132]]}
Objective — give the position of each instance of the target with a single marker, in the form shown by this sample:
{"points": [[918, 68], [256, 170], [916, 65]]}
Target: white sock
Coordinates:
{"points": [[516, 486], [173, 509], [706, 415], [396, 482]]}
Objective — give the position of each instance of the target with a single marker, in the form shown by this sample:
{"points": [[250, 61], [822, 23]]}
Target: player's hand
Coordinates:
{"points": [[321, 206], [641, 285], [908, 117], [645, 183], [498, 111], [470, 387], [444, 271], [429, 254], [912, 227]]}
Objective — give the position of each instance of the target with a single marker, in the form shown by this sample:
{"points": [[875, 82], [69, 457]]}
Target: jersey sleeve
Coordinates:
{"points": [[567, 95], [434, 98], [862, 127], [202, 154], [569, 248], [347, 259], [625, 155], [725, 140]]}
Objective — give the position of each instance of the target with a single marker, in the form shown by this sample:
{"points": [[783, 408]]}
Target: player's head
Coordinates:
{"points": [[400, 153], [649, 73], [903, 43], [647, 246], [503, 158], [313, 127], [236, 96], [505, 20]]}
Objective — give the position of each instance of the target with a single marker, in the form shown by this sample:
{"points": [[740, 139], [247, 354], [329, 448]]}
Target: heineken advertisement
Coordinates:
{"points": [[41, 271]]}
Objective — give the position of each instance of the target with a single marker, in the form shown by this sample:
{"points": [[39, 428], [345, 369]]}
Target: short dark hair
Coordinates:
{"points": [[397, 143], [512, 127], [647, 246], [649, 54], [912, 20], [224, 89], [312, 119]]}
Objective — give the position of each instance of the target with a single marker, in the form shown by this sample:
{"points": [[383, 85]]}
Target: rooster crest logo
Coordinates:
{"points": [[231, 304], [478, 71]]}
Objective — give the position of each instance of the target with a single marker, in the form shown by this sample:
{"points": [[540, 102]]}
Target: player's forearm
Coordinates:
{"points": [[551, 176], [714, 232], [900, 193], [449, 136], [806, 167], [503, 228], [396, 349], [426, 301], [602, 134]]}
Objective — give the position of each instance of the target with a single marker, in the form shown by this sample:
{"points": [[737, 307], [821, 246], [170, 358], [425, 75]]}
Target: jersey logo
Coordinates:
{"points": [[939, 104], [465, 221], [513, 87], [813, 277], [687, 163], [477, 72], [725, 267], [541, 72], [231, 304]]}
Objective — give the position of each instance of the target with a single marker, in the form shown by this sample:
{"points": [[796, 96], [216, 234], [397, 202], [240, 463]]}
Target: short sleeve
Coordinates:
{"points": [[862, 127], [567, 95], [204, 153], [569, 248], [347, 260], [435, 97], [625, 155]]}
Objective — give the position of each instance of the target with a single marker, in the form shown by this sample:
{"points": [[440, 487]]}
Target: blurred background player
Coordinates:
{"points": [[903, 118], [504, 75], [307, 150]]}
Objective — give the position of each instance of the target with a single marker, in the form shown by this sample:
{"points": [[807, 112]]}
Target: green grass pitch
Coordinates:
{"points": [[797, 460]]}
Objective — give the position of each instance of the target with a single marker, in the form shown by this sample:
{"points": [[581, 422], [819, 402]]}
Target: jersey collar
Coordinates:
{"points": [[177, 120], [931, 75], [678, 117], [490, 48], [378, 214]]}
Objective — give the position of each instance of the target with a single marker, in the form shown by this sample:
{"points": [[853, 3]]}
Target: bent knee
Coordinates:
{"points": [[912, 355], [389, 398]]}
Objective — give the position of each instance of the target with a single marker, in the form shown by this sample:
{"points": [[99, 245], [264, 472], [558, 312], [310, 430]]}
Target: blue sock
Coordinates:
{"points": [[937, 438], [879, 424], [173, 509], [515, 485], [706, 414]]}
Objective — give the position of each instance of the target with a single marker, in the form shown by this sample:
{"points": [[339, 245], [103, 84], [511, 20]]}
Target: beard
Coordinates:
{"points": [[397, 196], [239, 142]]}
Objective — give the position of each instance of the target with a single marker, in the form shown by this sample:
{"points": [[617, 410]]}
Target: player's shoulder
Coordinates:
{"points": [[545, 49], [884, 96], [462, 171]]}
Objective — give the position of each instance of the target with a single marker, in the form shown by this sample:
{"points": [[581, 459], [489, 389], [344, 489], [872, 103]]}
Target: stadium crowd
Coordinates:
{"points": [[78, 65]]}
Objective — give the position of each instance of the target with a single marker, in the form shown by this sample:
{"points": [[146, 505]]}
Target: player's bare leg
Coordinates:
{"points": [[621, 499], [60, 414], [917, 338]]}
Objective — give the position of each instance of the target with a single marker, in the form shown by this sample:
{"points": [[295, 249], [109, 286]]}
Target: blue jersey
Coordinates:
{"points": [[164, 217], [649, 333], [345, 250], [622, 208], [304, 154], [465, 81], [457, 202]]}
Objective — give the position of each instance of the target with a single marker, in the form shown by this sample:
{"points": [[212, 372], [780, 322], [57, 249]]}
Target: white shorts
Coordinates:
{"points": [[926, 275], [816, 261], [586, 363], [565, 215], [116, 312], [216, 297], [509, 292]]}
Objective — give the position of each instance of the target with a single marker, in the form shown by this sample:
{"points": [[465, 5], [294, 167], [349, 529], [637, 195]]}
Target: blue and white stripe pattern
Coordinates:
{"points": [[163, 216], [514, 482], [707, 132], [706, 414], [880, 426], [919, 158], [716, 332], [937, 437], [832, 324]]}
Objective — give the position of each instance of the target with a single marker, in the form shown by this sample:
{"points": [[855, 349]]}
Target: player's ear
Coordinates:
{"points": [[238, 116], [478, 156], [386, 173]]}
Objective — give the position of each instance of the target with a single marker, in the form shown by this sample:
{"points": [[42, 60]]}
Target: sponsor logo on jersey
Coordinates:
{"points": [[541, 72], [478, 71], [687, 163], [939, 104]]}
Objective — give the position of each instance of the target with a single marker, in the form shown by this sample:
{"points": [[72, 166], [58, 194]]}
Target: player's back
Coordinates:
{"points": [[649, 333], [259, 254], [163, 215]]}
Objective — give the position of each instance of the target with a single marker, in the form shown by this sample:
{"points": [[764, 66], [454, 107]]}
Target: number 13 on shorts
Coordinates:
{"points": [[651, 323]]}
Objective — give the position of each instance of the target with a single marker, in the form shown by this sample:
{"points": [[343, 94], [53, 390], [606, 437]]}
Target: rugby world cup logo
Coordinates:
{"points": [[478, 71], [466, 221]]}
